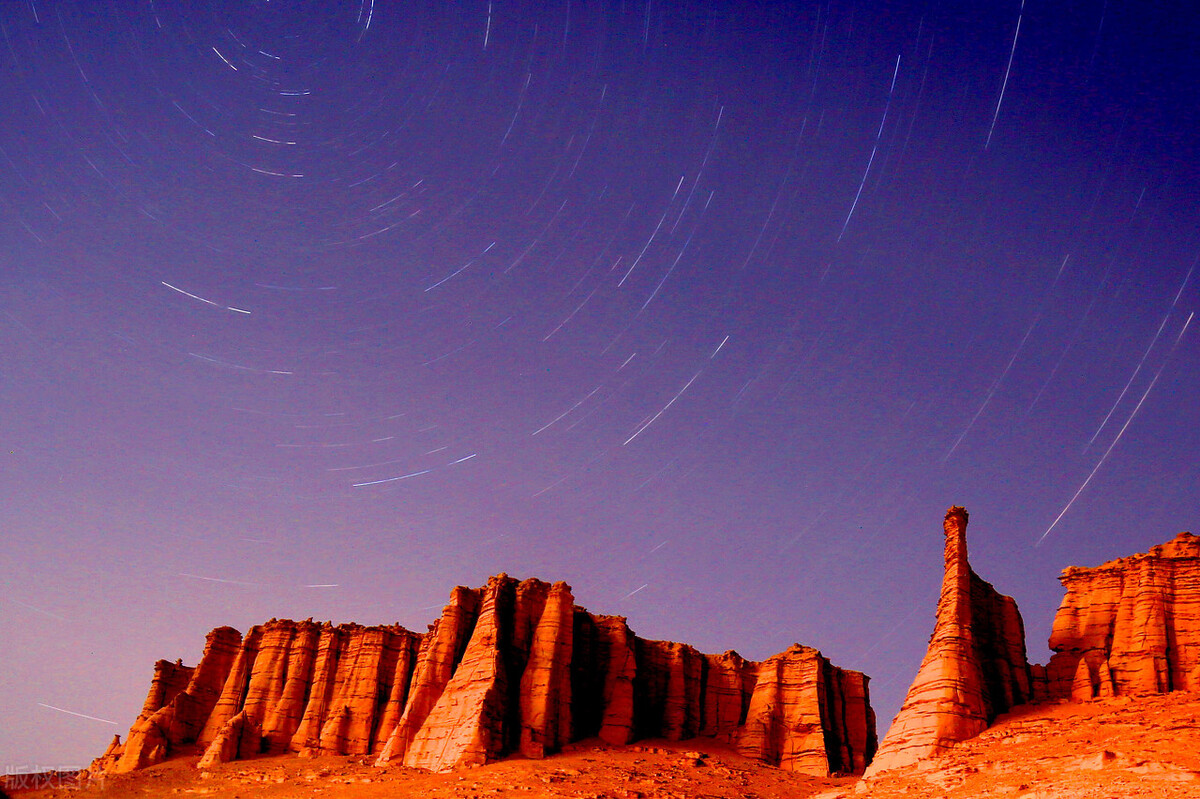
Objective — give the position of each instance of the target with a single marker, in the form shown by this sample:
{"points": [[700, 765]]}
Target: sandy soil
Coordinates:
{"points": [[1143, 747], [647, 770], [1124, 747]]}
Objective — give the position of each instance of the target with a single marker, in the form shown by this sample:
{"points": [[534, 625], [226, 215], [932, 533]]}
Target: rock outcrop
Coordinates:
{"points": [[545, 692], [1129, 626], [786, 728], [180, 702], [975, 667], [511, 667]]}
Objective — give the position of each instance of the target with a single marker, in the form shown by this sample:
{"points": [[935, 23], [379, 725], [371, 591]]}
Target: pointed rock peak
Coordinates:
{"points": [[974, 669], [954, 526], [955, 519]]}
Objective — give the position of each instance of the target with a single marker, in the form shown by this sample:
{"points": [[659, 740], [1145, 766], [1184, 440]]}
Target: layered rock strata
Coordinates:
{"points": [[785, 727], [1129, 626], [514, 667], [974, 669]]}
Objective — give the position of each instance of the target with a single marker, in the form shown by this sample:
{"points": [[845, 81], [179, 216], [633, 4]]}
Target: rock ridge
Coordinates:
{"points": [[1129, 626], [512, 667]]}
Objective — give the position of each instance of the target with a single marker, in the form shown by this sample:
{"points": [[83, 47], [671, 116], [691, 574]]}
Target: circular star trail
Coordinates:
{"points": [[709, 309]]}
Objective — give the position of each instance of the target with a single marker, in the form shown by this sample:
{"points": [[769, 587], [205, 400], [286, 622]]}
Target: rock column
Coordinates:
{"points": [[974, 669]]}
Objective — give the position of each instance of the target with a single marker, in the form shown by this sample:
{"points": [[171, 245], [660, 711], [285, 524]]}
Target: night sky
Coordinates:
{"points": [[710, 310]]}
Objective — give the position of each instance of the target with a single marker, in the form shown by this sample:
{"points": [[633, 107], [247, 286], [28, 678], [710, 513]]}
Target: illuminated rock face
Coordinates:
{"points": [[510, 667], [180, 702], [795, 694], [975, 667], [1129, 626]]}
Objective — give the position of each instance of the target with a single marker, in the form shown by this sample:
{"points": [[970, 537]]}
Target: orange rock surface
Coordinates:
{"points": [[1129, 626], [786, 728], [467, 724], [974, 669], [175, 713], [440, 652], [1145, 746], [515, 666], [545, 699]]}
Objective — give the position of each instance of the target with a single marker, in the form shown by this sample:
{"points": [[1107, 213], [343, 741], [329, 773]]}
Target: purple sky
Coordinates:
{"points": [[709, 310]]}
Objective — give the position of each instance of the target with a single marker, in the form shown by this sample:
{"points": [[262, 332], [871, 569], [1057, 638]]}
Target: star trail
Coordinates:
{"points": [[708, 309]]}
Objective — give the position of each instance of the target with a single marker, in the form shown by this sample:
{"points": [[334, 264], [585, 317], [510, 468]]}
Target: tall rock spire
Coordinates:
{"points": [[974, 669]]}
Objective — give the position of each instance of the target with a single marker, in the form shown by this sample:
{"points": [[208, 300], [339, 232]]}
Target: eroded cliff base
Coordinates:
{"points": [[1120, 747], [1128, 628], [1132, 746]]}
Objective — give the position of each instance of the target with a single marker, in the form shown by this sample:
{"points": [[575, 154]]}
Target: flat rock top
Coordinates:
{"points": [[1123, 747], [1184, 546]]}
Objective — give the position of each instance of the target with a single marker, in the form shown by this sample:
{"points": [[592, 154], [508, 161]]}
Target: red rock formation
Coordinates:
{"points": [[307, 737], [852, 707], [466, 725], [169, 680], [441, 650], [406, 645], [233, 693], [1129, 626], [546, 682], [367, 660], [238, 738], [172, 717], [282, 719], [975, 667], [728, 685], [512, 667], [618, 661], [667, 690], [787, 728], [270, 669]]}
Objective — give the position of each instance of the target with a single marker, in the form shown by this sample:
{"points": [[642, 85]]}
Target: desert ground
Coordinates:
{"points": [[1122, 747]]}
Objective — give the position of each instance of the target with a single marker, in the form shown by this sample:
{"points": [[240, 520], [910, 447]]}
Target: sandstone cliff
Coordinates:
{"points": [[975, 667], [787, 728], [510, 667], [175, 711], [1129, 626]]}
